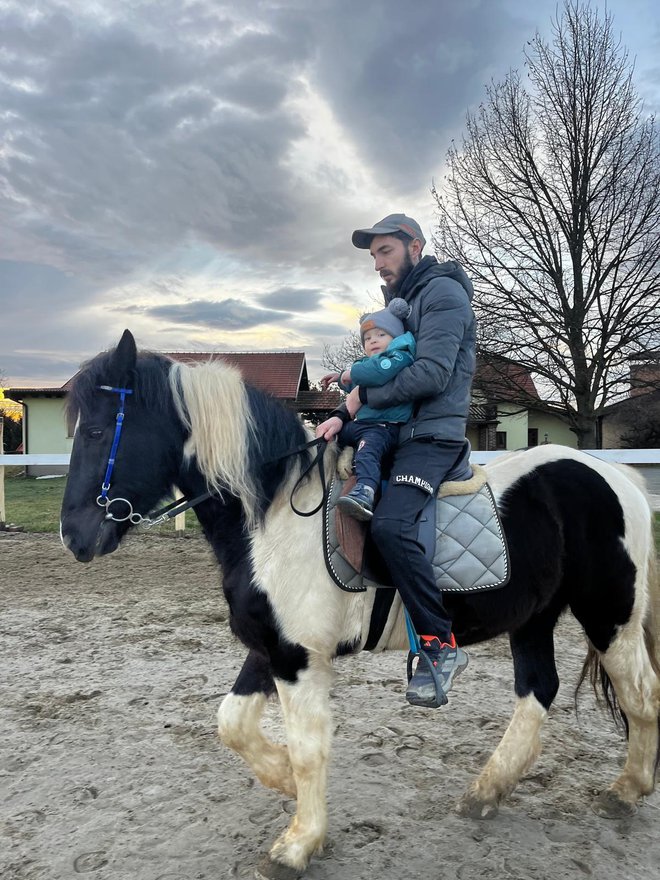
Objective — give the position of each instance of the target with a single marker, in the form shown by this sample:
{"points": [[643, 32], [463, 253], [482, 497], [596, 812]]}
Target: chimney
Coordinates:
{"points": [[645, 373]]}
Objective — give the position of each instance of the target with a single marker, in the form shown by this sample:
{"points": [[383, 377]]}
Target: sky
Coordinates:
{"points": [[193, 169]]}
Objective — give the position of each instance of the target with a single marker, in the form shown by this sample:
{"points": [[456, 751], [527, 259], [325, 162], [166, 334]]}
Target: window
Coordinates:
{"points": [[532, 436], [500, 439]]}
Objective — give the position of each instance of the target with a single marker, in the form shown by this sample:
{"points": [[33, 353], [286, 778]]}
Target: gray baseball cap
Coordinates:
{"points": [[388, 225]]}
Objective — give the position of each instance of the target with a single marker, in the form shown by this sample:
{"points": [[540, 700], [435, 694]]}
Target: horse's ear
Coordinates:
{"points": [[124, 357]]}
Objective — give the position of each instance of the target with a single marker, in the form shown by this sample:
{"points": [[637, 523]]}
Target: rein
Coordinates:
{"points": [[180, 505]]}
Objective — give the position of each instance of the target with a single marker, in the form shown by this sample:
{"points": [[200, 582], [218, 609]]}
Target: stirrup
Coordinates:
{"points": [[440, 696]]}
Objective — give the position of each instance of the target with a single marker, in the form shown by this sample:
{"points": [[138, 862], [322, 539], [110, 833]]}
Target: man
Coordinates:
{"points": [[432, 445]]}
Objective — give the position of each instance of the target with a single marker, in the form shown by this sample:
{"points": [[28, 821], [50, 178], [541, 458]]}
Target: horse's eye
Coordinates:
{"points": [[95, 433]]}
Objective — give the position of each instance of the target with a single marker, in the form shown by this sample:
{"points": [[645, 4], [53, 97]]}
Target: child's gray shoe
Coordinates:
{"points": [[358, 503]]}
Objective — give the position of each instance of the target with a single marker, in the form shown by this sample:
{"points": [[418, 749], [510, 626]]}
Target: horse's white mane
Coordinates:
{"points": [[212, 403]]}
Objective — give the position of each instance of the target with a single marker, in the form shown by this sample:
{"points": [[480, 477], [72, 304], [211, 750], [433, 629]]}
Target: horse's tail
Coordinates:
{"points": [[603, 688]]}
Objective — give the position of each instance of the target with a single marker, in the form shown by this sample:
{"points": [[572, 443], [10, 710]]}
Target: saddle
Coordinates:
{"points": [[460, 530]]}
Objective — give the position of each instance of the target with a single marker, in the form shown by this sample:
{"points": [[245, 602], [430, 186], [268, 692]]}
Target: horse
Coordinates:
{"points": [[579, 532]]}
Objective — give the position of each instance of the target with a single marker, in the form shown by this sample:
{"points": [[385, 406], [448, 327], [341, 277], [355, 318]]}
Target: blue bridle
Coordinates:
{"points": [[102, 500]]}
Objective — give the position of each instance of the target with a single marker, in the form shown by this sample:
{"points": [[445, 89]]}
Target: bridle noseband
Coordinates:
{"points": [[180, 505]]}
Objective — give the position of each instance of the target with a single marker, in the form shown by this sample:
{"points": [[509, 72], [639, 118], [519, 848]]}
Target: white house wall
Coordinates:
{"points": [[46, 431]]}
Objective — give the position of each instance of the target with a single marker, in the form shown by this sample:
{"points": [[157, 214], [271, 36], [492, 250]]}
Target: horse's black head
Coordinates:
{"points": [[148, 455]]}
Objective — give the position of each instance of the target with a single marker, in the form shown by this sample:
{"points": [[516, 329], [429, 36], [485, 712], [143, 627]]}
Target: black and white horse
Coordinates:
{"points": [[579, 533]]}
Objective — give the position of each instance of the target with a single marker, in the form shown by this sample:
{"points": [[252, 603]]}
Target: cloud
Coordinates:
{"points": [[294, 299], [407, 76], [325, 332], [119, 140], [128, 129], [228, 314]]}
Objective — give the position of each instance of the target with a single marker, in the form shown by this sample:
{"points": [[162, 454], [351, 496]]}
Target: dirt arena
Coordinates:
{"points": [[110, 766]]}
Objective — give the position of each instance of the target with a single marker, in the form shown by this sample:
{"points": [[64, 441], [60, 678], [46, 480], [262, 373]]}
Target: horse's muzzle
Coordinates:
{"points": [[90, 536]]}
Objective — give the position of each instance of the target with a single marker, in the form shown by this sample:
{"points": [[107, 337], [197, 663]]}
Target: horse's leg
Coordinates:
{"points": [[306, 708], [634, 677], [536, 685], [239, 719]]}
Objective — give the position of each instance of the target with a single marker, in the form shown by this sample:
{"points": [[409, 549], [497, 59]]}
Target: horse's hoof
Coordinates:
{"points": [[472, 807], [609, 805], [267, 869]]}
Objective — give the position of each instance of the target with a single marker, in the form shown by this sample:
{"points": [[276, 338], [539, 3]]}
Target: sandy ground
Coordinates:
{"points": [[110, 766]]}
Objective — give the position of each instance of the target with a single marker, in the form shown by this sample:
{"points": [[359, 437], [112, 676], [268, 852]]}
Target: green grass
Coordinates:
{"points": [[35, 504]]}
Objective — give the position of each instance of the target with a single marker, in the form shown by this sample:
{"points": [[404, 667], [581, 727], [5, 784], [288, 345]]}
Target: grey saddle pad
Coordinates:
{"points": [[462, 534]]}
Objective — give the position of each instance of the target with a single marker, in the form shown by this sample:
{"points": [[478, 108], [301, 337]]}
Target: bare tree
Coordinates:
{"points": [[552, 202], [339, 357]]}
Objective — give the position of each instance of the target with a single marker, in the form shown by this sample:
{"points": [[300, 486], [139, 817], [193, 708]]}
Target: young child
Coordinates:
{"points": [[374, 432]]}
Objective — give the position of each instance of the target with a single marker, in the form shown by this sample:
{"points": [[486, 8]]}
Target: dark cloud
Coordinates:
{"points": [[33, 287], [124, 139], [408, 74], [292, 299], [126, 135], [227, 314]]}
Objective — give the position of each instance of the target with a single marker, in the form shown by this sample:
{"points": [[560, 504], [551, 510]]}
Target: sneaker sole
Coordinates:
{"points": [[352, 508]]}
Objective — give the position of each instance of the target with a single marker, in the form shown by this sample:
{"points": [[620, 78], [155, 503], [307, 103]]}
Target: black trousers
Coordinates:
{"points": [[418, 469], [374, 444]]}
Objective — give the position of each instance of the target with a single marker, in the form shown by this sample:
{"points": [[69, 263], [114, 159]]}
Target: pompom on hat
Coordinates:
{"points": [[390, 319]]}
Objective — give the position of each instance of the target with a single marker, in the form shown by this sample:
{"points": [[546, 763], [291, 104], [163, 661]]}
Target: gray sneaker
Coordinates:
{"points": [[438, 665], [358, 503]]}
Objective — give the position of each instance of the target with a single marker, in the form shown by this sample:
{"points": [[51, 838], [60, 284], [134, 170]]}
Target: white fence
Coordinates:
{"points": [[36, 458], [647, 460], [624, 456], [44, 459]]}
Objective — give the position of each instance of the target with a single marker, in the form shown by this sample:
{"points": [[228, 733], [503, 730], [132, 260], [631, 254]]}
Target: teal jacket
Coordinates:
{"points": [[378, 370]]}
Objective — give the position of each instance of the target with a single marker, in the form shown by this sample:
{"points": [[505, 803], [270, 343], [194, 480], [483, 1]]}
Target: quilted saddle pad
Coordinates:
{"points": [[462, 534]]}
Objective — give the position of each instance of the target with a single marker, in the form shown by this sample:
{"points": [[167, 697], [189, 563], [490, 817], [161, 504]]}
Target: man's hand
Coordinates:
{"points": [[353, 402], [329, 428], [328, 379]]}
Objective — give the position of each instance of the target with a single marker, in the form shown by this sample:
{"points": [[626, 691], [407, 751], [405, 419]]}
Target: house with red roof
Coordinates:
{"points": [[513, 415]]}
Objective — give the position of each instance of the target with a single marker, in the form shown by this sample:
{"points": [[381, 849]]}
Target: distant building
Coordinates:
{"points": [[634, 421], [507, 412]]}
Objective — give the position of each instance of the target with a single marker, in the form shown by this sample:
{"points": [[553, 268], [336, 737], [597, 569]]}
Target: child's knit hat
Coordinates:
{"points": [[388, 319]]}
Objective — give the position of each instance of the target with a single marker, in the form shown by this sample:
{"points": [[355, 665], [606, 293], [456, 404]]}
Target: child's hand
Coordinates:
{"points": [[328, 379], [329, 428]]}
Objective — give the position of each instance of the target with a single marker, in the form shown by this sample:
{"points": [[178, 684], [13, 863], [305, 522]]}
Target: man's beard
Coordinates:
{"points": [[406, 268]]}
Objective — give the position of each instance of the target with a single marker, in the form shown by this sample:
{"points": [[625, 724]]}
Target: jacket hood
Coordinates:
{"points": [[429, 267]]}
